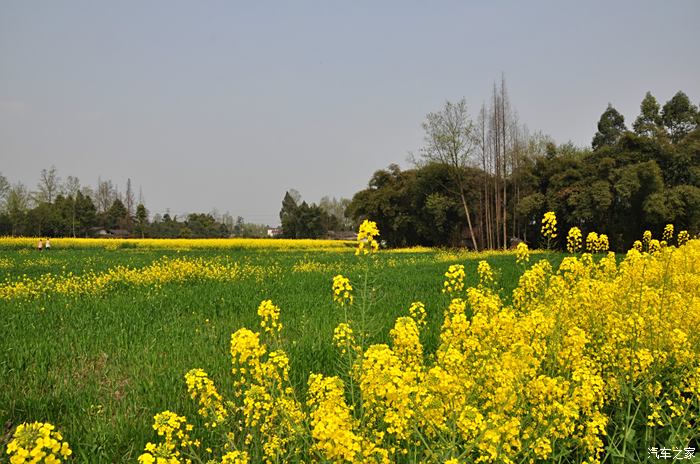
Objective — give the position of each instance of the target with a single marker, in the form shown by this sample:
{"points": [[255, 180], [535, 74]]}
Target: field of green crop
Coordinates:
{"points": [[99, 364]]}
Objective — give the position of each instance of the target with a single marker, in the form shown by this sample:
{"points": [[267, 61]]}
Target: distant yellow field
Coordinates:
{"points": [[181, 243], [445, 255]]}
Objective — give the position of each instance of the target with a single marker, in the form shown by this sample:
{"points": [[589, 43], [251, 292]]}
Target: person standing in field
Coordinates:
{"points": [[40, 246], [47, 247]]}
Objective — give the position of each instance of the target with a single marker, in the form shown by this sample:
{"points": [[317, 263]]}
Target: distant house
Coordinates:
{"points": [[274, 232], [101, 232], [342, 235], [120, 233]]}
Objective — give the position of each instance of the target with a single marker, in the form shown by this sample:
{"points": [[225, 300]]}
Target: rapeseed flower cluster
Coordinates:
{"points": [[486, 275], [332, 423], [417, 312], [549, 225], [269, 317], [235, 457], [522, 253], [454, 279], [263, 422], [37, 442], [574, 240], [342, 290], [367, 238], [603, 243], [579, 365], [592, 242], [597, 243], [405, 337], [667, 235], [683, 237], [343, 338], [176, 438], [654, 246], [202, 389], [161, 272]]}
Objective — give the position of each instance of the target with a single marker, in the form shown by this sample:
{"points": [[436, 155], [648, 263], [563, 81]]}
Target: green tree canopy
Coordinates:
{"points": [[679, 116], [116, 216], [611, 126], [649, 122]]}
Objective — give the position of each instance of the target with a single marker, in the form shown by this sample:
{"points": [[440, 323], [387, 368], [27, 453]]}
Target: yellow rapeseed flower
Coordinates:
{"points": [[454, 279], [668, 233], [549, 225], [343, 338], [522, 253], [342, 290], [37, 442], [202, 389], [574, 240], [366, 238], [269, 317], [592, 242], [417, 312]]}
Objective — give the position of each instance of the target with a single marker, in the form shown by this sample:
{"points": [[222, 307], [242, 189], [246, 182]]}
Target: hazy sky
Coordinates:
{"points": [[228, 104]]}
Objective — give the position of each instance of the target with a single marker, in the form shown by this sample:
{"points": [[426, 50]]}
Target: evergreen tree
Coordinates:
{"points": [[65, 208], [648, 123], [141, 220], [116, 216], [289, 216], [679, 116], [85, 213], [611, 126]]}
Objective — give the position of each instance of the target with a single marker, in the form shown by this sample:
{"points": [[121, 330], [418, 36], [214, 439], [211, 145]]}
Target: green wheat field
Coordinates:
{"points": [[101, 364]]}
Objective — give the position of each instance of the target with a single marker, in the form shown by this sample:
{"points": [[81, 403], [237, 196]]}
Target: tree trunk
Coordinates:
{"points": [[505, 163], [487, 213], [469, 221], [482, 228]]}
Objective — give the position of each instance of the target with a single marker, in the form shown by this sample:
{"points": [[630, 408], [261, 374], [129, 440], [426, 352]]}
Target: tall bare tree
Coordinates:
{"points": [[499, 143], [4, 190], [71, 186], [503, 147], [504, 155], [17, 202], [496, 155], [105, 194], [48, 187], [451, 139], [486, 221], [129, 203]]}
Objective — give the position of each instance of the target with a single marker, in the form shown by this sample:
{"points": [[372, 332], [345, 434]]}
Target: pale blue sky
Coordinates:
{"points": [[227, 104]]}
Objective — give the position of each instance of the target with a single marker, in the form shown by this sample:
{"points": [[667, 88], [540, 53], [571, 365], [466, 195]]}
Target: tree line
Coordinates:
{"points": [[65, 208], [485, 182]]}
